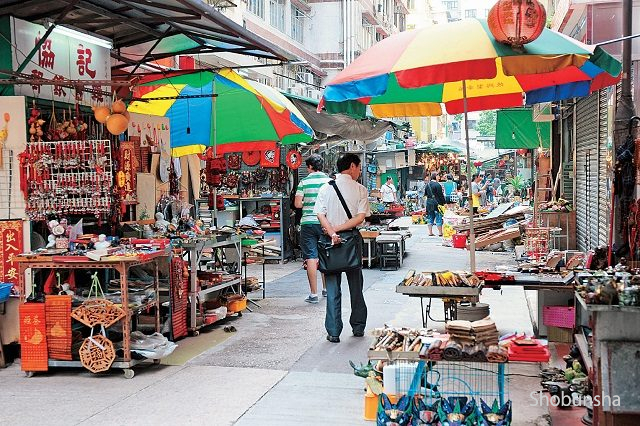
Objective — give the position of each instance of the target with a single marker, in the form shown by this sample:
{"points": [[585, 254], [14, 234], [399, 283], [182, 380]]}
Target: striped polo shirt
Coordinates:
{"points": [[308, 188]]}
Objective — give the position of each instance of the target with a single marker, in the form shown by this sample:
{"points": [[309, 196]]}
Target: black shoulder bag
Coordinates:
{"points": [[342, 257]]}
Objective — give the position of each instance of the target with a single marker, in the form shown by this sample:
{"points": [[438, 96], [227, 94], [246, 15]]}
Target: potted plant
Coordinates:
{"points": [[517, 184]]}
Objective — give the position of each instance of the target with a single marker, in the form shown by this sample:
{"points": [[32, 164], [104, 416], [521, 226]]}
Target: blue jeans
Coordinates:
{"points": [[434, 218], [333, 318]]}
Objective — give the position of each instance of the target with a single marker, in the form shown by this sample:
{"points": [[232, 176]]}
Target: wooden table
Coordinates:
{"points": [[121, 265]]}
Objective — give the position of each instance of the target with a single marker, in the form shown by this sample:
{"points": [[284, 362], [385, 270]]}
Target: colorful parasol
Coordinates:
{"points": [[414, 73], [460, 65], [243, 115]]}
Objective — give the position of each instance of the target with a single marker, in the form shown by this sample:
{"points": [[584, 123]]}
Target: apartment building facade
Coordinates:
{"points": [[326, 35]]}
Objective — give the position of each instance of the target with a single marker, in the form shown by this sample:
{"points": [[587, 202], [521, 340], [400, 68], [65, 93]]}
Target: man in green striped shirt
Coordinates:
{"points": [[310, 229]]}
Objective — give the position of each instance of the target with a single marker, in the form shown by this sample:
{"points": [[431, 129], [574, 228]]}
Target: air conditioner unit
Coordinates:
{"points": [[296, 89], [305, 77]]}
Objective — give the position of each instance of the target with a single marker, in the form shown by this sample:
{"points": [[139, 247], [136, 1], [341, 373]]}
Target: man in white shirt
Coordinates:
{"points": [[334, 219], [388, 191]]}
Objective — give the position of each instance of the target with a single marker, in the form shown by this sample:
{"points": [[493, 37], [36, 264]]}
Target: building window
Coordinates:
{"points": [[470, 13], [256, 7], [411, 4], [486, 13], [450, 5], [297, 29], [276, 12]]}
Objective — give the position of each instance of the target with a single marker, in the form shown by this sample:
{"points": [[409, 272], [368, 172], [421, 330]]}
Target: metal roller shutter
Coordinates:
{"points": [[604, 175], [586, 202]]}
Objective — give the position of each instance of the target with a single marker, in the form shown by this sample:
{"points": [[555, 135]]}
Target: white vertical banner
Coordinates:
{"points": [[60, 57]]}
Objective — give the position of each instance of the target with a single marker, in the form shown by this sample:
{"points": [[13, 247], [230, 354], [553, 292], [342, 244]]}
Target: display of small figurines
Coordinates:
{"points": [[161, 224], [59, 237], [102, 242]]}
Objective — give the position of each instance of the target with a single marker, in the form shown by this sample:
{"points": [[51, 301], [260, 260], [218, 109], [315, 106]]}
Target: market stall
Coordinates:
{"points": [[42, 326]]}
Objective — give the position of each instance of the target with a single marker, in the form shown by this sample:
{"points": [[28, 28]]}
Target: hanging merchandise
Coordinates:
{"points": [[230, 180], [68, 177], [101, 113], [96, 310], [97, 352], [35, 124], [270, 158], [118, 121], [260, 175], [234, 161], [251, 158], [246, 178], [179, 290], [294, 159], [219, 202]]}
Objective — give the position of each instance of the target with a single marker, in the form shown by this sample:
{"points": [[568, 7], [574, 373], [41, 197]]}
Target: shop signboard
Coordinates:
{"points": [[11, 245], [65, 55]]}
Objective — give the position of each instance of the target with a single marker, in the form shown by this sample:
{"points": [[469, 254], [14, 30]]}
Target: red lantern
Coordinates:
{"points": [[516, 22], [522, 151], [477, 163], [501, 163]]}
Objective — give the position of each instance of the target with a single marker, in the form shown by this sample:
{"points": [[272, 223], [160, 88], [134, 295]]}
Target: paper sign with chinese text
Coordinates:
{"points": [[11, 245]]}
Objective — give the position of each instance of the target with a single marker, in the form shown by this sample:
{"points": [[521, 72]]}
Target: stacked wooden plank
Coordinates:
{"points": [[490, 230], [268, 248]]}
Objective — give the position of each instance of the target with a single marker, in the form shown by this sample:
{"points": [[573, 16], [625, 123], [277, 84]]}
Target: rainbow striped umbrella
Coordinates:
{"points": [[460, 65], [415, 73], [243, 116]]}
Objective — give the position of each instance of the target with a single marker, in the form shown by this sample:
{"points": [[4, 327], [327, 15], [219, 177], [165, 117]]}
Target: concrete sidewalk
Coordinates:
{"points": [[276, 369]]}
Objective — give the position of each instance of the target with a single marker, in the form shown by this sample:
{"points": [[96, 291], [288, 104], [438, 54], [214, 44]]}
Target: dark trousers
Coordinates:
{"points": [[333, 318]]}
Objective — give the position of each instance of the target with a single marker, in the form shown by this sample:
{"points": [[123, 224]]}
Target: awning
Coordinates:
{"points": [[516, 129], [147, 31], [329, 127]]}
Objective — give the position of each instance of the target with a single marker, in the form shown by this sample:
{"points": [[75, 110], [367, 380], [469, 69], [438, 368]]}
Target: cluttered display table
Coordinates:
{"points": [[46, 333], [456, 375], [451, 287]]}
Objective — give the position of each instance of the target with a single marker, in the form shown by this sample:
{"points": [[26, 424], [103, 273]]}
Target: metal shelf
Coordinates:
{"points": [[218, 287]]}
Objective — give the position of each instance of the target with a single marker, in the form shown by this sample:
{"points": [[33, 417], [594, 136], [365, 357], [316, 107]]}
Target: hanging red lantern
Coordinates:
{"points": [[522, 151], [516, 22], [477, 163]]}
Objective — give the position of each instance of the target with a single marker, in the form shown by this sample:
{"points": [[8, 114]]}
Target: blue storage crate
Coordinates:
{"points": [[5, 291]]}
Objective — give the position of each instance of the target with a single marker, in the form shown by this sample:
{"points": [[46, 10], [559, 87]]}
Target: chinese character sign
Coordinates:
{"points": [[60, 57], [11, 244]]}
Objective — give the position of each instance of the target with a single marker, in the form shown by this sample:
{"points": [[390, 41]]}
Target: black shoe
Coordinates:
{"points": [[333, 339], [358, 334]]}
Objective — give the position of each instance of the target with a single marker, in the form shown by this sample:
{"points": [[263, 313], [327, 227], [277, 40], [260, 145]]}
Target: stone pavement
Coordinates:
{"points": [[277, 368]]}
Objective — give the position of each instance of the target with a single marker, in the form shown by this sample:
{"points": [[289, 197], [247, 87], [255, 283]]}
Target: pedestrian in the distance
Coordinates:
{"points": [[310, 229], [435, 198], [450, 191], [388, 192], [334, 219]]}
